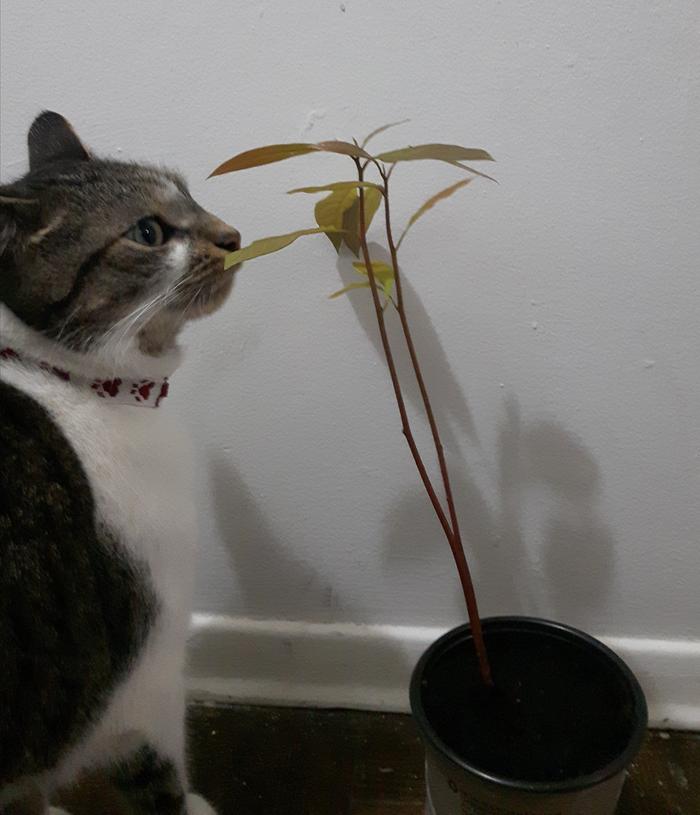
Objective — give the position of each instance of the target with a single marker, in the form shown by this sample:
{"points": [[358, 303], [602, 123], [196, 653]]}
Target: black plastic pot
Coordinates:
{"points": [[555, 735]]}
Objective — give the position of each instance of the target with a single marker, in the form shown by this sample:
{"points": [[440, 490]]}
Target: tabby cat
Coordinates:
{"points": [[101, 264]]}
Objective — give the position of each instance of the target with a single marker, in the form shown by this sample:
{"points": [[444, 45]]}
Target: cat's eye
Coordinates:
{"points": [[147, 232]]}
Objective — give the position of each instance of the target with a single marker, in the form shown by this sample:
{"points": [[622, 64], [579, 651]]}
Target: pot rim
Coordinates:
{"points": [[546, 627]]}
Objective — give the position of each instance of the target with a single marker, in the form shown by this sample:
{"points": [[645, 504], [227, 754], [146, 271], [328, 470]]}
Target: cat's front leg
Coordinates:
{"points": [[152, 784]]}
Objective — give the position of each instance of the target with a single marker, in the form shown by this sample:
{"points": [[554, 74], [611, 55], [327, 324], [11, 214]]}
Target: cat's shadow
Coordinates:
{"points": [[275, 584]]}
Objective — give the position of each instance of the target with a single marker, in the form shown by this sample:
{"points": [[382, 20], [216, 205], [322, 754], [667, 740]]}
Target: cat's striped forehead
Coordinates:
{"points": [[108, 182]]}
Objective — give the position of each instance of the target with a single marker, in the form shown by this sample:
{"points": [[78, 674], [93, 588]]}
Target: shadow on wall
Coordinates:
{"points": [[566, 573], [275, 584], [451, 409], [571, 571]]}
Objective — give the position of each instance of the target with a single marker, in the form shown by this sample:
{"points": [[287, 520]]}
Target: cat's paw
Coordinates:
{"points": [[57, 811], [196, 805]]}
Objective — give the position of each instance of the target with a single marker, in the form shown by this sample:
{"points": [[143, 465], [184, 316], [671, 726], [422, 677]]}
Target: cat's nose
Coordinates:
{"points": [[228, 238]]}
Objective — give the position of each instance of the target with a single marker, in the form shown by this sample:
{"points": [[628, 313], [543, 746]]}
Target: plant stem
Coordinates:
{"points": [[455, 539], [405, 424]]}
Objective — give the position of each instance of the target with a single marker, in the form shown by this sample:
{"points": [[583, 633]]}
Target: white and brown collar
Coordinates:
{"points": [[137, 379]]}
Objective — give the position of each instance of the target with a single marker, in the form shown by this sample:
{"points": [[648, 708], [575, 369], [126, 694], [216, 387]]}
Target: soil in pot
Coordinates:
{"points": [[558, 710]]}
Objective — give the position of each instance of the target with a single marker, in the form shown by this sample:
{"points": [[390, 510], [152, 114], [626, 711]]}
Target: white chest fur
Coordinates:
{"points": [[138, 464]]}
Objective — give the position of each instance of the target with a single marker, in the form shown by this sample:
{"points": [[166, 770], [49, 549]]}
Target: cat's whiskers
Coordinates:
{"points": [[116, 341], [66, 323], [191, 301]]}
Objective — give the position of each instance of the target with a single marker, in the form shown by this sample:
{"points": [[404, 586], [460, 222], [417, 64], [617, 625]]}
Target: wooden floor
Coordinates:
{"points": [[275, 761]]}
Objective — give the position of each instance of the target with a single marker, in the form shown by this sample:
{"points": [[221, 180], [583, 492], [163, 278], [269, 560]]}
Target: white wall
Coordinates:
{"points": [[557, 314]]}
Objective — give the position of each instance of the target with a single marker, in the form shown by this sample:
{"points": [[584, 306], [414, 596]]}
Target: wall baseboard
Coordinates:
{"points": [[368, 667]]}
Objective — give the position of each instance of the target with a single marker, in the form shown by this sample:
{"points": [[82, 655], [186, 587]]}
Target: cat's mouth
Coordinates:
{"points": [[207, 294]]}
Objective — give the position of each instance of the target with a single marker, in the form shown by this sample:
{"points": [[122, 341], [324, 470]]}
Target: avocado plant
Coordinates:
{"points": [[344, 215], [537, 740]]}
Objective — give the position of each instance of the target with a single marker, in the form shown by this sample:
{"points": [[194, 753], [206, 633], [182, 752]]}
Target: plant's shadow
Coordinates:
{"points": [[570, 568], [275, 584], [532, 524], [449, 404], [546, 483]]}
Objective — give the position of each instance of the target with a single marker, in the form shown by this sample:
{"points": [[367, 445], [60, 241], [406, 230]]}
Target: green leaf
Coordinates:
{"points": [[337, 185], [263, 155], [439, 152], [266, 246], [430, 203], [382, 129], [330, 212], [363, 285], [342, 147]]}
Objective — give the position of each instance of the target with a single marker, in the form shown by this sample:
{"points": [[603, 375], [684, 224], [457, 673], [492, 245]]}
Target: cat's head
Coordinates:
{"points": [[95, 251]]}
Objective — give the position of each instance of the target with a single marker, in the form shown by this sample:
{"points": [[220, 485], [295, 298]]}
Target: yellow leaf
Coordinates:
{"points": [[373, 199], [440, 152], [266, 246], [430, 203], [330, 211], [351, 228], [383, 274], [382, 129], [363, 285], [337, 185], [382, 271], [263, 155], [388, 288], [351, 221]]}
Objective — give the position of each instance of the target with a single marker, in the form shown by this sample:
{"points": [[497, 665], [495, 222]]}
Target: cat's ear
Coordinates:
{"points": [[51, 138], [18, 216]]}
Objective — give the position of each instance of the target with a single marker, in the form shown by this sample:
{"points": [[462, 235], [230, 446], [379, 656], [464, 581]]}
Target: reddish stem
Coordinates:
{"points": [[405, 424], [455, 539], [452, 534]]}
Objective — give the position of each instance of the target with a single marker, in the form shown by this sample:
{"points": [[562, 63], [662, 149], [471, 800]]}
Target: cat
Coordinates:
{"points": [[101, 264]]}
